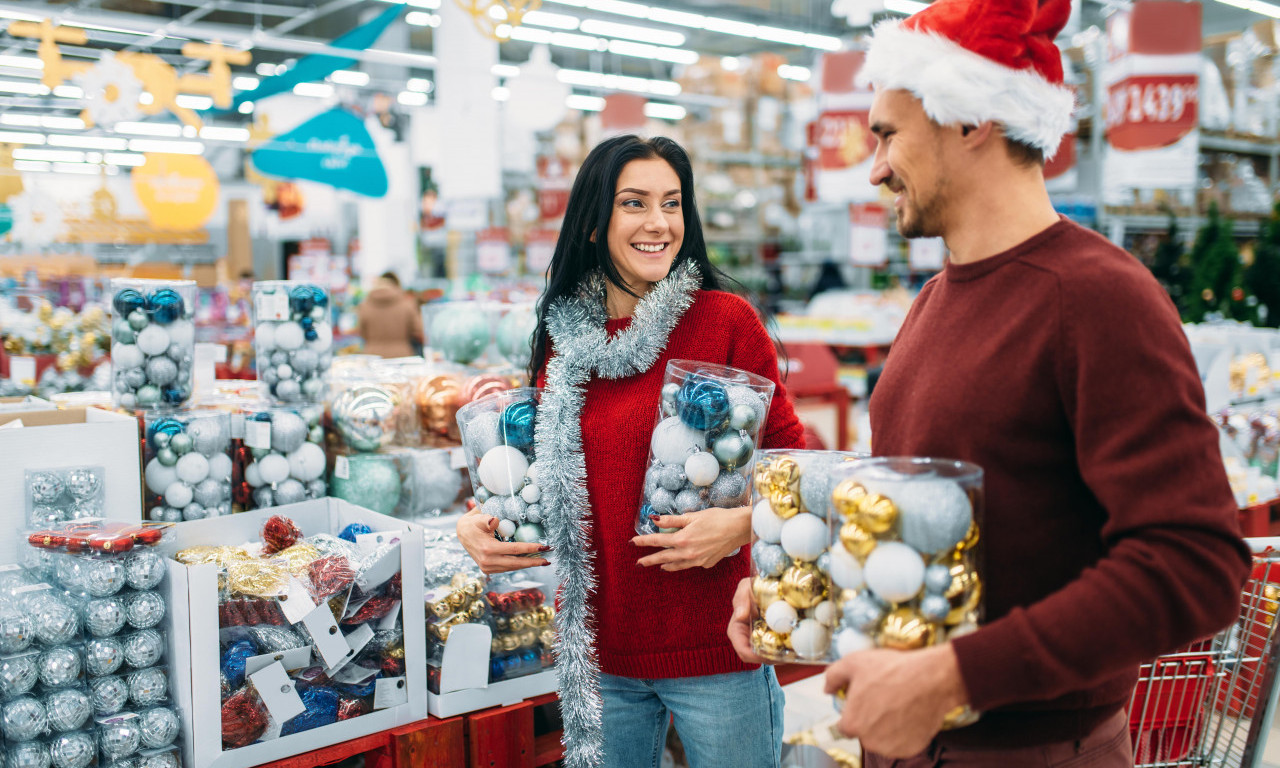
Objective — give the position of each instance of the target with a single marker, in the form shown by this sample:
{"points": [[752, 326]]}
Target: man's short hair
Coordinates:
{"points": [[1024, 154], [391, 278]]}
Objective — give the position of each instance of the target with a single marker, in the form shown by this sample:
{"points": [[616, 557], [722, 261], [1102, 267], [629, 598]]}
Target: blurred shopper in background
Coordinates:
{"points": [[390, 321]]}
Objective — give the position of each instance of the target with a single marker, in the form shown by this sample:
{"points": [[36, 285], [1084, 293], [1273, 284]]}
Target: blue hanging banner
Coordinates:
{"points": [[6, 218], [332, 148]]}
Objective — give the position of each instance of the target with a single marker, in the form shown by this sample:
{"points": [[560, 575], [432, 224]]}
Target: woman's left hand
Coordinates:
{"points": [[704, 538]]}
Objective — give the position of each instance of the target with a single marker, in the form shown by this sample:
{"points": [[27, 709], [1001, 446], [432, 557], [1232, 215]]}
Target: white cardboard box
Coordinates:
{"points": [[69, 438], [194, 643], [464, 676]]}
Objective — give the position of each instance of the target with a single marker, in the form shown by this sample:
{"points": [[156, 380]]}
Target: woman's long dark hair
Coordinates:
{"points": [[589, 210]]}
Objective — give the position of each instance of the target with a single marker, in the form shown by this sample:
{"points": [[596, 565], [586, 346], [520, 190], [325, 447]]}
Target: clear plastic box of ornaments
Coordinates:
{"points": [[282, 457], [704, 440], [187, 468], [382, 482], [292, 339], [370, 413], [153, 336], [523, 624], [453, 593], [498, 440], [143, 737], [55, 495]]}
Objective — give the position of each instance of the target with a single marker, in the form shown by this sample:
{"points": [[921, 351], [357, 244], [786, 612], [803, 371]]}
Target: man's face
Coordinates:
{"points": [[910, 161]]}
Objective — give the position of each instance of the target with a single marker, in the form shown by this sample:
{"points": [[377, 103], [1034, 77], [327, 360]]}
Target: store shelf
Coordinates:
{"points": [[1221, 142], [1187, 224], [751, 158]]}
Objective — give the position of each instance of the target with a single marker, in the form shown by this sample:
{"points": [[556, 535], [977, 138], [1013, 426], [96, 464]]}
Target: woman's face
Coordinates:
{"points": [[647, 225]]}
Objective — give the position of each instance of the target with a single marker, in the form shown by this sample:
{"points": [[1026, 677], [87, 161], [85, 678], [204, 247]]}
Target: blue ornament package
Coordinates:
{"points": [[352, 531], [322, 710], [233, 661]]}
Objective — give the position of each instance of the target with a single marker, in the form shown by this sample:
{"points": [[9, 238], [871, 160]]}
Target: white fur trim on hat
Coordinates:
{"points": [[957, 86]]}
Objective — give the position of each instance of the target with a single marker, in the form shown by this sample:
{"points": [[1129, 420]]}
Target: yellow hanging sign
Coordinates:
{"points": [[178, 192]]}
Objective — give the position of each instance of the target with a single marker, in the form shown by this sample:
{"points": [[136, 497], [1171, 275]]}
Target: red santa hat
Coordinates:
{"points": [[970, 61]]}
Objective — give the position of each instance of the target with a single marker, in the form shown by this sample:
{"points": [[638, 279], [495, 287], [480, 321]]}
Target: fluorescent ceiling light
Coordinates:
{"points": [[317, 90], [676, 55], [780, 35], [632, 32], [246, 107], [21, 137], [224, 133], [86, 169], [799, 74], [505, 70], [730, 63], [30, 88], [146, 98], [635, 10], [21, 62], [189, 132], [665, 111], [550, 20], [38, 166], [49, 155], [913, 6], [500, 93], [245, 83], [585, 79], [416, 3], [420, 85], [412, 98], [265, 69], [70, 92], [149, 129], [1257, 6], [87, 142], [350, 77], [171, 147], [667, 16], [131, 159], [20, 16], [420, 19], [526, 34], [729, 26], [585, 103], [570, 40], [823, 42], [193, 102], [46, 121], [497, 13]]}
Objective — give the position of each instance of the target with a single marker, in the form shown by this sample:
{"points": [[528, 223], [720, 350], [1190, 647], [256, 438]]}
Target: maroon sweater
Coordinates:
{"points": [[1110, 532], [652, 623]]}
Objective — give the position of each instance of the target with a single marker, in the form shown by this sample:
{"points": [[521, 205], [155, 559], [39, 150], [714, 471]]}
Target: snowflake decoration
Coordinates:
{"points": [[856, 13], [111, 91], [37, 218]]}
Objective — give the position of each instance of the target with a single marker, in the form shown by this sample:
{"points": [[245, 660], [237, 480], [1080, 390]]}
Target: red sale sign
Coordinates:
{"points": [[1149, 111], [844, 139]]}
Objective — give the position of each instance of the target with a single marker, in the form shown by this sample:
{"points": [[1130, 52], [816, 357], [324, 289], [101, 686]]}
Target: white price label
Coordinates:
{"points": [[271, 306], [294, 658], [389, 621], [352, 674], [22, 369], [237, 426], [377, 574], [327, 637], [342, 468], [257, 434], [390, 692], [369, 542], [296, 602], [457, 458], [277, 692], [356, 641]]}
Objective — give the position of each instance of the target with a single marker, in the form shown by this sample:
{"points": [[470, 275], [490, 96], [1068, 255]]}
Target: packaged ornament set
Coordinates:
{"points": [[187, 467], [498, 439], [439, 394], [292, 339], [280, 454], [56, 495], [468, 332], [83, 632], [707, 429], [153, 337]]}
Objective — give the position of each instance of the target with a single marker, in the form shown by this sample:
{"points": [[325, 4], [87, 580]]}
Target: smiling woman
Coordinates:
{"points": [[646, 230]]}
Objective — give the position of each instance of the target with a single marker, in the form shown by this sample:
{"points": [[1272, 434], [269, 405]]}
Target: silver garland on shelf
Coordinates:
{"points": [[576, 327]]}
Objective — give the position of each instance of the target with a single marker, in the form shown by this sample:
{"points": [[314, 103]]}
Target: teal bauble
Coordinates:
{"points": [[138, 320], [515, 336], [461, 335], [373, 482], [123, 333], [732, 449]]}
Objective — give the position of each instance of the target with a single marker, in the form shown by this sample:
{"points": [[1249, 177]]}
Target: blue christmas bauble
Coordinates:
{"points": [[518, 421], [166, 305], [168, 426], [318, 297], [732, 449], [175, 394], [373, 483], [302, 300], [702, 403], [353, 530], [460, 335], [126, 301]]}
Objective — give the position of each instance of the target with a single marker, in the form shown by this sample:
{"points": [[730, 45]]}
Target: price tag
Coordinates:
{"points": [[294, 658], [390, 692], [277, 692], [389, 621], [356, 641], [296, 602], [457, 458], [237, 426], [271, 306], [22, 369], [257, 434], [377, 574], [342, 468], [327, 637], [352, 674], [369, 542]]}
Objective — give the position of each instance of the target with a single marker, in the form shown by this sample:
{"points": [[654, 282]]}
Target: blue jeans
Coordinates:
{"points": [[724, 721]]}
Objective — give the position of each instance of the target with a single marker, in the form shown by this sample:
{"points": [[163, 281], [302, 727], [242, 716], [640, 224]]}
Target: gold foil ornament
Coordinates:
{"points": [[458, 581], [762, 476], [877, 513], [970, 539], [528, 638], [857, 540], [802, 586], [905, 630], [258, 578], [439, 608], [495, 645], [396, 649], [547, 637], [510, 642], [476, 610], [847, 496], [766, 642], [456, 600], [785, 503], [473, 587], [765, 592], [965, 592], [299, 556]]}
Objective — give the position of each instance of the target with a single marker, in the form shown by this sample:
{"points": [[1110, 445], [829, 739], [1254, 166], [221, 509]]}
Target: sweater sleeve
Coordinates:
{"points": [[1174, 561], [753, 350]]}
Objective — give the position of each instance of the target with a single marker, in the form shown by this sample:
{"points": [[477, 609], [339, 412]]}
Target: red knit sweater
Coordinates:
{"points": [[1110, 532], [652, 623]]}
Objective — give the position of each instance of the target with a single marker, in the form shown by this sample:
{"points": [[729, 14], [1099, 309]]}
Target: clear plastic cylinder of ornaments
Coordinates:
{"points": [[188, 468], [292, 339], [369, 415], [283, 456], [498, 439], [153, 342], [709, 421], [459, 331]]}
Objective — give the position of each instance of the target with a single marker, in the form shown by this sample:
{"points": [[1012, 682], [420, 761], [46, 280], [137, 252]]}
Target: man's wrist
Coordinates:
{"points": [[949, 680]]}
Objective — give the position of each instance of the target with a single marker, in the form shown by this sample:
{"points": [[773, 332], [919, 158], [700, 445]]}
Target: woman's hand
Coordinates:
{"points": [[475, 532], [704, 538]]}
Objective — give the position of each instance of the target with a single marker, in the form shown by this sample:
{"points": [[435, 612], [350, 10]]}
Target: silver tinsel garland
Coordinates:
{"points": [[576, 327]]}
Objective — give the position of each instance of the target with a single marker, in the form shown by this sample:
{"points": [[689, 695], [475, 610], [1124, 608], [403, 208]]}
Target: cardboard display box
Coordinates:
{"points": [[194, 642]]}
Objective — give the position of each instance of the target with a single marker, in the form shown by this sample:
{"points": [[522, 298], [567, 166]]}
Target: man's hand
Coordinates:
{"points": [[704, 538], [895, 701], [475, 533], [739, 630]]}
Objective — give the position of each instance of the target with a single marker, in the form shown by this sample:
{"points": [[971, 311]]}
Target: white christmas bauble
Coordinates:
{"points": [[220, 466], [289, 336], [701, 468], [804, 537], [810, 639], [673, 442], [781, 617], [284, 371], [159, 477], [530, 493], [126, 356], [153, 340], [307, 463], [192, 468], [532, 473], [826, 614], [507, 529], [253, 475], [264, 337], [845, 569], [182, 333], [766, 524], [178, 495], [323, 340], [502, 469], [933, 514], [274, 468], [851, 641], [894, 571]]}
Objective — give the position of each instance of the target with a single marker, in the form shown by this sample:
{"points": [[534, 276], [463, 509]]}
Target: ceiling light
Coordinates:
{"points": [[125, 158], [497, 13], [22, 86], [691, 20], [500, 93], [21, 62], [19, 16], [631, 32], [244, 83], [350, 77], [69, 91], [87, 142], [265, 69], [49, 155], [38, 166], [528, 35], [412, 98], [676, 55], [730, 63], [585, 79], [189, 132], [551, 20], [416, 3], [62, 123], [245, 107], [86, 169], [621, 8], [224, 133], [570, 40], [729, 27], [664, 111], [193, 102], [580, 77], [789, 72], [171, 147], [908, 6], [419, 84], [21, 137], [780, 35], [505, 70], [1257, 6], [420, 19], [317, 90], [149, 129], [823, 42], [628, 48], [725, 26], [585, 103]]}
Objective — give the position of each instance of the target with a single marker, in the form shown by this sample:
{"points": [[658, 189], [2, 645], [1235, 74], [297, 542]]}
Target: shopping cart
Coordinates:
{"points": [[1211, 703]]}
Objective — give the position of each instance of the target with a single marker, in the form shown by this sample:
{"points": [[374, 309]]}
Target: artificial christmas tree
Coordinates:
{"points": [[1262, 278]]}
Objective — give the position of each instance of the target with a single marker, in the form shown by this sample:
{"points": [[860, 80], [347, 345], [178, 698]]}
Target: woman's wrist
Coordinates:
{"points": [[742, 526]]}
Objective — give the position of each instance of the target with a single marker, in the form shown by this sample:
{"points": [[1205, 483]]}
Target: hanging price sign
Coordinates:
{"points": [[1149, 111], [844, 139]]}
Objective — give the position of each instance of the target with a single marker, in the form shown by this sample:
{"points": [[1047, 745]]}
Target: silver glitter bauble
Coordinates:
{"points": [[160, 727], [67, 710], [163, 760], [108, 694], [144, 609], [316, 489], [209, 436], [271, 639], [59, 667], [31, 754], [73, 750], [69, 572], [148, 686], [45, 487], [290, 492], [103, 656], [24, 719], [172, 515], [18, 674], [17, 630], [288, 431], [263, 498], [103, 578], [161, 371], [83, 483], [483, 433], [208, 492], [119, 737], [144, 649], [104, 616], [144, 570], [45, 516], [194, 511], [671, 477], [55, 621], [729, 490]]}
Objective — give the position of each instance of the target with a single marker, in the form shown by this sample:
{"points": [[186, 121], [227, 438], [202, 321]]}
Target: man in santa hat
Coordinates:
{"points": [[1053, 360]]}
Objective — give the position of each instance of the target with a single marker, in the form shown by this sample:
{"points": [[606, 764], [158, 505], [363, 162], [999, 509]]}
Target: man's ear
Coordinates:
{"points": [[977, 135]]}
